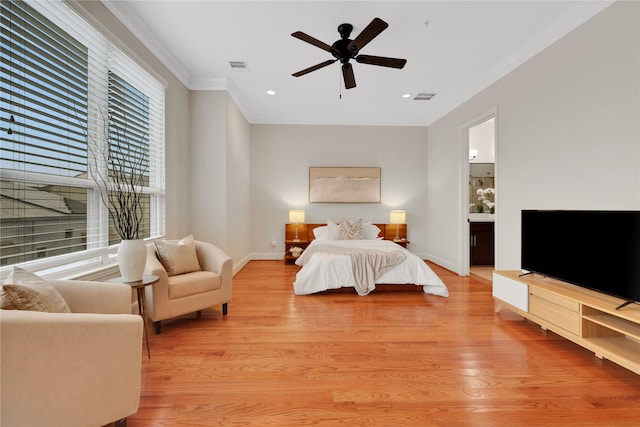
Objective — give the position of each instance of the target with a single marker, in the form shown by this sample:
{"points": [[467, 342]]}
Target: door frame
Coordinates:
{"points": [[463, 138]]}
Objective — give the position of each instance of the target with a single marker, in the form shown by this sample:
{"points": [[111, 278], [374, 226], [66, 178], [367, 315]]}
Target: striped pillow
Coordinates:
{"points": [[350, 229]]}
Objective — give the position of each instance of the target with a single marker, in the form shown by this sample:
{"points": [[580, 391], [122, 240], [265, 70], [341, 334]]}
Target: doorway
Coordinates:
{"points": [[478, 139]]}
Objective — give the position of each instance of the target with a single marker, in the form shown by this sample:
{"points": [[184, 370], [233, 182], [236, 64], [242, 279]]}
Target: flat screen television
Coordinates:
{"points": [[598, 250]]}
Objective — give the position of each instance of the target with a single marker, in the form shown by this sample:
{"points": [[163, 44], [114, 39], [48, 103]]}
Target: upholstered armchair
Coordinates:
{"points": [[72, 369], [186, 289]]}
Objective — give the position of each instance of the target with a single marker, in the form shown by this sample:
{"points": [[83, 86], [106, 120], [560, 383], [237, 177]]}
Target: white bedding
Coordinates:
{"points": [[332, 269]]}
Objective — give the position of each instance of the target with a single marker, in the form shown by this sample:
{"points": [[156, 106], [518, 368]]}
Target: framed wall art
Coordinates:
{"points": [[344, 185]]}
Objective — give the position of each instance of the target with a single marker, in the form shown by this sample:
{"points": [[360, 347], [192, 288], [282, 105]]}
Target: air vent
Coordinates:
{"points": [[424, 96], [239, 65]]}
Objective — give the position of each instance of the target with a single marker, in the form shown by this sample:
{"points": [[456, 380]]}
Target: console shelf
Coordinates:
{"points": [[586, 317]]}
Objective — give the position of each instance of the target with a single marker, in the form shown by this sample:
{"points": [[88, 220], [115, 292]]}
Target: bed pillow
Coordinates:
{"points": [[333, 230], [370, 231], [178, 257], [23, 290], [351, 229], [321, 233]]}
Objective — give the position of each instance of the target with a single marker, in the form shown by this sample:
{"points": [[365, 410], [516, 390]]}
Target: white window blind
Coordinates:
{"points": [[61, 84]]}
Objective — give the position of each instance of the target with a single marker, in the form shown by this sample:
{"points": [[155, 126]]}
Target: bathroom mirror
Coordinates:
{"points": [[482, 187]]}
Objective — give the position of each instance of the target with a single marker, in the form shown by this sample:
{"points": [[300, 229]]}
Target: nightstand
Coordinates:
{"points": [[288, 244], [402, 242]]}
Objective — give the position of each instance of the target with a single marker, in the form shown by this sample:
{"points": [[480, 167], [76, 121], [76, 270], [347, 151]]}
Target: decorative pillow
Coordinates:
{"points": [[321, 233], [23, 290], [333, 230], [370, 231], [350, 229], [178, 257]]}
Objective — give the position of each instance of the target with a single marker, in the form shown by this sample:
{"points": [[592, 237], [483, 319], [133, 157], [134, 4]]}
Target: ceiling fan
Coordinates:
{"points": [[346, 49]]}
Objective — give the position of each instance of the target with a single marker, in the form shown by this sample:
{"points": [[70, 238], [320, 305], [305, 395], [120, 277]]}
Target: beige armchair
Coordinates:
{"points": [[72, 369], [180, 294]]}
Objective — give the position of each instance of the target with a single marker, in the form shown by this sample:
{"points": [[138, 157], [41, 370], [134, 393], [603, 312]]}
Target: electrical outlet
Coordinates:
{"points": [[273, 243]]}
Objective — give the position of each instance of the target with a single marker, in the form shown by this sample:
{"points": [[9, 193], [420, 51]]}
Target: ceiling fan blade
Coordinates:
{"points": [[383, 61], [374, 28], [315, 67], [347, 74], [312, 40]]}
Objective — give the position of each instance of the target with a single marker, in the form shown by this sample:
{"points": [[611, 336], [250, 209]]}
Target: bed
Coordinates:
{"points": [[329, 262]]}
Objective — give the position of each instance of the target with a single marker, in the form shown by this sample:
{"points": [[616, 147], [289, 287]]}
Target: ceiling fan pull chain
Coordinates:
{"points": [[340, 85]]}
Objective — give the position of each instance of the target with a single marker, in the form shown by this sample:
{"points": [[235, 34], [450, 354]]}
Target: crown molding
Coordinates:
{"points": [[206, 83], [551, 33], [125, 14]]}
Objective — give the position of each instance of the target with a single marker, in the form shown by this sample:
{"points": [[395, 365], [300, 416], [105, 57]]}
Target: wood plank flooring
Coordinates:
{"points": [[392, 358]]}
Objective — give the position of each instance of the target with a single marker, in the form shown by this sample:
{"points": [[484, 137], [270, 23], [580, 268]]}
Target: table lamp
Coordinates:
{"points": [[397, 217], [296, 216]]}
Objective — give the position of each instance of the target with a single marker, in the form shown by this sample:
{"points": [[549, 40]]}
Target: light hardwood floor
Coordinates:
{"points": [[484, 273], [392, 358]]}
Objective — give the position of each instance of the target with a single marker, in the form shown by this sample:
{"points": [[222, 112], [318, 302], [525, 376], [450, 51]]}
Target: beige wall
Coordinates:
{"points": [[280, 160], [219, 173], [238, 185], [568, 136]]}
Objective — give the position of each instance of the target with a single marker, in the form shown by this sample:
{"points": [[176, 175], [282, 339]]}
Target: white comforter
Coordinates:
{"points": [[332, 269]]}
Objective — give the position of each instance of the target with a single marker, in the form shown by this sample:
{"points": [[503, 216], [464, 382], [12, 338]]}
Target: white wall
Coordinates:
{"points": [[482, 137], [282, 154], [568, 136]]}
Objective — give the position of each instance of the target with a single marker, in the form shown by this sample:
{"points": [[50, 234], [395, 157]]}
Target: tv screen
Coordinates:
{"points": [[599, 250]]}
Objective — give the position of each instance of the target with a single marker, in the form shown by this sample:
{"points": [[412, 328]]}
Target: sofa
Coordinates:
{"points": [[207, 282], [72, 369]]}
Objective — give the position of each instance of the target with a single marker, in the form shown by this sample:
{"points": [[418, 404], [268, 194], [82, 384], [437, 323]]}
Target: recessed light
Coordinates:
{"points": [[271, 92], [406, 95]]}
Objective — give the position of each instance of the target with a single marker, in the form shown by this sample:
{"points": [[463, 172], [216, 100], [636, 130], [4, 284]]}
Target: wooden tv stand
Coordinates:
{"points": [[586, 317]]}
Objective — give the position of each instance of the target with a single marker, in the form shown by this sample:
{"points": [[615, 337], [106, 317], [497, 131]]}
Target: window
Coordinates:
{"points": [[68, 94]]}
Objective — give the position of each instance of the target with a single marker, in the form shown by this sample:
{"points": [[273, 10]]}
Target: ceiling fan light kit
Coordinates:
{"points": [[346, 49]]}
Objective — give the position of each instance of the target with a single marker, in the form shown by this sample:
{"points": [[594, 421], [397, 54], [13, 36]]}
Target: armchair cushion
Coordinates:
{"points": [[193, 284], [23, 290], [178, 257]]}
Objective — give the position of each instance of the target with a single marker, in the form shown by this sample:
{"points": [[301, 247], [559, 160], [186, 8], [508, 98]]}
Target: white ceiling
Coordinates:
{"points": [[453, 49]]}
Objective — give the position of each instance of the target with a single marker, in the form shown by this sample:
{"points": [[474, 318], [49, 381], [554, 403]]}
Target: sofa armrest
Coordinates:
{"points": [[68, 368], [94, 297]]}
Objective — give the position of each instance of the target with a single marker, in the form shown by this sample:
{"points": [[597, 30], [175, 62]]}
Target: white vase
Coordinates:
{"points": [[132, 257]]}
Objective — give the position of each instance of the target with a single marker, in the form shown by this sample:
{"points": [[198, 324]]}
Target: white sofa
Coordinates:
{"points": [[174, 296], [72, 369]]}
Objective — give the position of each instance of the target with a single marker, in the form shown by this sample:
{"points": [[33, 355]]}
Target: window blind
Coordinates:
{"points": [[61, 81]]}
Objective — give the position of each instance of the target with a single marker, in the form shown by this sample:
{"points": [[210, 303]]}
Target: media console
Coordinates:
{"points": [[586, 317]]}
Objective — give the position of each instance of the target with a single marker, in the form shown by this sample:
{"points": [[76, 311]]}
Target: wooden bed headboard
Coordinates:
{"points": [[305, 231]]}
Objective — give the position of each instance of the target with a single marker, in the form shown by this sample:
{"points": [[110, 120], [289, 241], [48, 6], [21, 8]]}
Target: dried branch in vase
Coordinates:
{"points": [[119, 168]]}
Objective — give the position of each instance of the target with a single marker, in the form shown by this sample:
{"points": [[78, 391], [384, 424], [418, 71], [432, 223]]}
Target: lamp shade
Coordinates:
{"points": [[397, 217], [296, 216]]}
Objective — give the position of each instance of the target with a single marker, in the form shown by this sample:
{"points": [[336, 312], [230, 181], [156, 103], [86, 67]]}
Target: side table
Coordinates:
{"points": [[139, 287], [402, 242]]}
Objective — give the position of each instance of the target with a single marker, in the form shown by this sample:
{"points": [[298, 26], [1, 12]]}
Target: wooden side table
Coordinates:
{"points": [[288, 244], [401, 242], [139, 287]]}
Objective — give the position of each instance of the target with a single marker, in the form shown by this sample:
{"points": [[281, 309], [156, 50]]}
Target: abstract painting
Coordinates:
{"points": [[344, 185]]}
